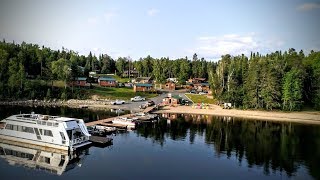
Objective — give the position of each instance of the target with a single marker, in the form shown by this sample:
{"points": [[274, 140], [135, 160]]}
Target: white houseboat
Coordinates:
{"points": [[43, 130]]}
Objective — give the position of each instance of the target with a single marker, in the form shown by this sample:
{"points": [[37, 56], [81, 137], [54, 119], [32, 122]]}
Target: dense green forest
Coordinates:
{"points": [[286, 80]]}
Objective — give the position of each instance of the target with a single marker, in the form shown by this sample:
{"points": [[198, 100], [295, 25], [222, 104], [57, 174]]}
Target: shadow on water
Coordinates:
{"points": [[87, 115], [272, 146]]}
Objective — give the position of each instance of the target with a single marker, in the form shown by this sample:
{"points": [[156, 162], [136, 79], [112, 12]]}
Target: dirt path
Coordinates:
{"points": [[306, 117]]}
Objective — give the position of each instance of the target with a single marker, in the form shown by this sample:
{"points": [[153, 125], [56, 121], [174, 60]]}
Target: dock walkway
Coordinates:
{"points": [[107, 122]]}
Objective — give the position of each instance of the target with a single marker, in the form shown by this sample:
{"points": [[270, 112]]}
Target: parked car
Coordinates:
{"points": [[185, 102], [143, 106], [138, 98], [117, 102], [151, 103], [202, 93]]}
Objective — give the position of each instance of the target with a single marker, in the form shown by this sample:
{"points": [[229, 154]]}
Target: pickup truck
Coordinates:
{"points": [[117, 102], [138, 98]]}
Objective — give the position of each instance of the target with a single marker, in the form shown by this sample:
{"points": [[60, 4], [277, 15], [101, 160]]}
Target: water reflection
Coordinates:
{"points": [[34, 157], [283, 147]]}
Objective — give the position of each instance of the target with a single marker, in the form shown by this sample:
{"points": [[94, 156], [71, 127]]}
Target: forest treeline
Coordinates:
{"points": [[286, 80]]}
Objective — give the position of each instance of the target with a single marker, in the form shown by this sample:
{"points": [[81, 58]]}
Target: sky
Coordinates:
{"points": [[163, 28]]}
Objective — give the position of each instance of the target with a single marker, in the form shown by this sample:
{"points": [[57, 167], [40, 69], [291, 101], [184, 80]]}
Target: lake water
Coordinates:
{"points": [[184, 147]]}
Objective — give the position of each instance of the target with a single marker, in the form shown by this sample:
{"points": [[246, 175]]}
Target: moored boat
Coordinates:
{"points": [[43, 130], [129, 122]]}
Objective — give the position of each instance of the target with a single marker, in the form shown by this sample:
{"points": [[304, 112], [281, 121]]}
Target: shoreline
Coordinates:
{"points": [[304, 117], [71, 103]]}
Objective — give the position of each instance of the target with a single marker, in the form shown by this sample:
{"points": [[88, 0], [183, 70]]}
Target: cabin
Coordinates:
{"points": [[197, 80], [139, 87], [170, 86], [201, 87], [143, 80], [107, 82], [81, 82], [171, 100]]}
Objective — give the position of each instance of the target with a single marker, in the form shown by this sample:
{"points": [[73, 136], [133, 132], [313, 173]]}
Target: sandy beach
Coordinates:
{"points": [[305, 117]]}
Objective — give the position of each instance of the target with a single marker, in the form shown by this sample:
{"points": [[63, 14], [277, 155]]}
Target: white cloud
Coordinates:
{"points": [[234, 44], [152, 12], [308, 6], [108, 16], [93, 20]]}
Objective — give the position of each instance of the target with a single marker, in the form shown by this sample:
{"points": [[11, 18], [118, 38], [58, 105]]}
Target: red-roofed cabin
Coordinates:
{"points": [[107, 81]]}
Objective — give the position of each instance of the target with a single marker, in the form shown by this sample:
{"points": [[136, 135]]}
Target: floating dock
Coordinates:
{"points": [[100, 140], [108, 121]]}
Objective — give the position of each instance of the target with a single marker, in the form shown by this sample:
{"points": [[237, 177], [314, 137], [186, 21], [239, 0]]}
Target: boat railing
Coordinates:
{"points": [[40, 122], [47, 123], [79, 140]]}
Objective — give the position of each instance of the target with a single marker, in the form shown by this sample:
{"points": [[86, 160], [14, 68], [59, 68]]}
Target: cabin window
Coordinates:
{"points": [[40, 130], [47, 133], [56, 124], [49, 123]]}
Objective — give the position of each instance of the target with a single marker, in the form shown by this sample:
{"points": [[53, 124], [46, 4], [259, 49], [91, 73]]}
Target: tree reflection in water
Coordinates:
{"points": [[274, 146]]}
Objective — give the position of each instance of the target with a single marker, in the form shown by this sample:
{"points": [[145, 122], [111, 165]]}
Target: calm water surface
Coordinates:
{"points": [[186, 147]]}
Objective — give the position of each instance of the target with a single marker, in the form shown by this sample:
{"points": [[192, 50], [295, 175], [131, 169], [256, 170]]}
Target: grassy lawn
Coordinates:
{"points": [[196, 98], [118, 78], [117, 93]]}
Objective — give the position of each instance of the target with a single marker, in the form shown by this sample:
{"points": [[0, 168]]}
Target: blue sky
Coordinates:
{"points": [[163, 28]]}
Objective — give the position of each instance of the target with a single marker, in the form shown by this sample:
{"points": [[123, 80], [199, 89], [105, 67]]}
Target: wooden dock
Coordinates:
{"points": [[120, 126], [149, 109], [107, 122]]}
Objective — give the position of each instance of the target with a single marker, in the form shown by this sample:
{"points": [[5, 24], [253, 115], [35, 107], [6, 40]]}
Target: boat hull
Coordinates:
{"points": [[27, 142]]}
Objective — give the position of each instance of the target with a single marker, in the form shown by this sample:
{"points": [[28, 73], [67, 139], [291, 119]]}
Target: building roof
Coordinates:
{"points": [[205, 84], [176, 97], [107, 79], [81, 79], [143, 85]]}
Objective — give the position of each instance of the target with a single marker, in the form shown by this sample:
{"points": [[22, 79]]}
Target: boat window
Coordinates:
{"points": [[43, 123], [9, 126], [1, 151], [40, 131], [47, 160], [47, 133], [62, 136], [61, 162], [49, 123], [2, 125], [15, 127], [56, 124]]}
